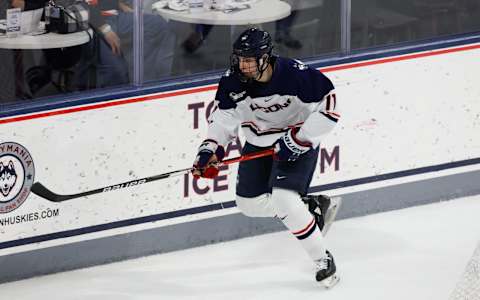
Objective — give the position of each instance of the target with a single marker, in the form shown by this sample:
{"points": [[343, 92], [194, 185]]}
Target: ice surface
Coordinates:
{"points": [[413, 253]]}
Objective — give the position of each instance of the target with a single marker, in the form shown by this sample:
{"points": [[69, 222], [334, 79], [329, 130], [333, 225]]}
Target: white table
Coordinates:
{"points": [[44, 41], [262, 11]]}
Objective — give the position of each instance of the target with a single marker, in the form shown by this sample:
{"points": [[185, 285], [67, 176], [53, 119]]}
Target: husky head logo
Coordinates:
{"points": [[8, 177], [16, 176], [300, 65], [237, 97]]}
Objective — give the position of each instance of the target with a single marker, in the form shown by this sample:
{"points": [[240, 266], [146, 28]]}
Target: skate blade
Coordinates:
{"points": [[330, 282], [335, 203]]}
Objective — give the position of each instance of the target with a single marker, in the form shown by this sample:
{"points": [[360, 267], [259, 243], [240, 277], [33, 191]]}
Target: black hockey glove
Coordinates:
{"points": [[289, 148], [208, 157]]}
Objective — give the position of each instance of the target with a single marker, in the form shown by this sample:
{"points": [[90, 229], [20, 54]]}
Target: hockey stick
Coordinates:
{"points": [[40, 190]]}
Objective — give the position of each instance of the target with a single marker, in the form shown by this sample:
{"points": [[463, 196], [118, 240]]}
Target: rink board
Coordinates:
{"points": [[408, 136]]}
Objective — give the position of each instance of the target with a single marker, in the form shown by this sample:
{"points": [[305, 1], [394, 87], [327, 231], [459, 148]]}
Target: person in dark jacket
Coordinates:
{"points": [[114, 20]]}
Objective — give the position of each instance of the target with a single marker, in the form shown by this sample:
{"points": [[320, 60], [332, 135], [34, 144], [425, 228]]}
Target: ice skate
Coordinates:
{"points": [[324, 209], [326, 271]]}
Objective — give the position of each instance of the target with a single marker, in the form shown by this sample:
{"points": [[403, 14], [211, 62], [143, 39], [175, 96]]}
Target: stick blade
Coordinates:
{"points": [[40, 190]]}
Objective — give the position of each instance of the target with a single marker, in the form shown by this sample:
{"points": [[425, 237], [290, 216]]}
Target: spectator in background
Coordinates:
{"points": [[196, 38], [6, 71], [29, 4], [111, 56], [114, 20], [13, 85], [282, 32]]}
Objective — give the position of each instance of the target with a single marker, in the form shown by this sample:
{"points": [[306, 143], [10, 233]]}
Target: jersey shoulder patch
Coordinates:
{"points": [[230, 91], [292, 65], [227, 73], [297, 64]]}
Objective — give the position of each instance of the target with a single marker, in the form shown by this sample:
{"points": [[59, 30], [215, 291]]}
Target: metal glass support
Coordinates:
{"points": [[137, 43], [345, 26]]}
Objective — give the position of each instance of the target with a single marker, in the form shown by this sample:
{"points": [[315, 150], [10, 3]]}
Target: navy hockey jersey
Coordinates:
{"points": [[296, 96]]}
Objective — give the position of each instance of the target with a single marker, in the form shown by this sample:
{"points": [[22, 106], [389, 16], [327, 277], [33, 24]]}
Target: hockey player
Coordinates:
{"points": [[279, 103]]}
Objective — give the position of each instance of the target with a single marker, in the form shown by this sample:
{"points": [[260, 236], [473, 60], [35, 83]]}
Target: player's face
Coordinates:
{"points": [[248, 66]]}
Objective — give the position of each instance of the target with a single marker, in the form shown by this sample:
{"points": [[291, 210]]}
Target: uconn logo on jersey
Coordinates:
{"points": [[272, 108]]}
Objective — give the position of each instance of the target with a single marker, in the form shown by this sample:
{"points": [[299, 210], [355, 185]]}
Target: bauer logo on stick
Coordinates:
{"points": [[16, 176]]}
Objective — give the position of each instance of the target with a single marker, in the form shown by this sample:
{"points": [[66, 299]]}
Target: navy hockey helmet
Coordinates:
{"points": [[253, 42]]}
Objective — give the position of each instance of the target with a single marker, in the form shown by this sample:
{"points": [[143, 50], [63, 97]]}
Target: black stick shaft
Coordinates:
{"points": [[40, 190]]}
